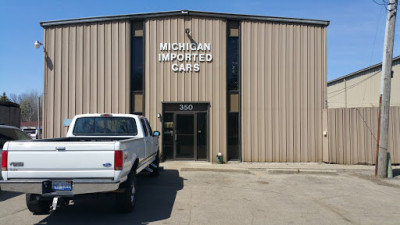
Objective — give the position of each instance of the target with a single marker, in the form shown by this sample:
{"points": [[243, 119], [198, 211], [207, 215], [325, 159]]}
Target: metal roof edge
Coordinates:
{"points": [[183, 13], [397, 58]]}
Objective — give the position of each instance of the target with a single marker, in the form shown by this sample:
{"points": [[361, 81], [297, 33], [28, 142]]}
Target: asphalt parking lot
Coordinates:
{"points": [[182, 196]]}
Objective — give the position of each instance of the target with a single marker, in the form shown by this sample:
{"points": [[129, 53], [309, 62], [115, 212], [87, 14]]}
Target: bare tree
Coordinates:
{"points": [[14, 98], [29, 105]]}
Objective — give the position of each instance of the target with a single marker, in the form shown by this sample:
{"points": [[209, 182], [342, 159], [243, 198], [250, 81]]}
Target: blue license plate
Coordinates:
{"points": [[62, 185]]}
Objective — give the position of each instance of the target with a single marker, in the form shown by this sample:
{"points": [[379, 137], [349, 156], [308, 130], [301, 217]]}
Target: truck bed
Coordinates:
{"points": [[69, 157], [89, 139]]}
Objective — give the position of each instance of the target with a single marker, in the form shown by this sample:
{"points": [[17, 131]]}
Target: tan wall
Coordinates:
{"points": [[207, 85], [352, 135], [363, 89], [86, 70], [283, 92], [283, 81], [336, 95]]}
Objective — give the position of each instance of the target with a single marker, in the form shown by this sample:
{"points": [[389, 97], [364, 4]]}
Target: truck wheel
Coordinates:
{"points": [[37, 204], [156, 170], [126, 200]]}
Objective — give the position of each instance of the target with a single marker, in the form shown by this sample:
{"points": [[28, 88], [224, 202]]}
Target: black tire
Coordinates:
{"points": [[156, 170], [126, 200], [37, 204]]}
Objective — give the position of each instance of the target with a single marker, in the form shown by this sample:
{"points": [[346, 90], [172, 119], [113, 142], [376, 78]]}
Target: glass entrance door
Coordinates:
{"points": [[185, 131], [184, 136]]}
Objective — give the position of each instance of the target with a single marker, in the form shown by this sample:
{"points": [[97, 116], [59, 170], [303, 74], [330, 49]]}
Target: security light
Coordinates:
{"points": [[37, 44]]}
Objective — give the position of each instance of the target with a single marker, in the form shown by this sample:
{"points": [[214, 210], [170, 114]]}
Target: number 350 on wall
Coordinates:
{"points": [[186, 107]]}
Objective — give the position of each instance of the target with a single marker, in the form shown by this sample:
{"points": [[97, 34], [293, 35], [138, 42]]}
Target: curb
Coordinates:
{"points": [[269, 171], [301, 171], [244, 171]]}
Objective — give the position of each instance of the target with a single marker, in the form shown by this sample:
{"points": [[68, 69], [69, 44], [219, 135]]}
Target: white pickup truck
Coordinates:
{"points": [[101, 153]]}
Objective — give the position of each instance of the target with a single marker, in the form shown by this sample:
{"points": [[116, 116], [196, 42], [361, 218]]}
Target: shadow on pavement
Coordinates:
{"points": [[5, 195], [155, 200]]}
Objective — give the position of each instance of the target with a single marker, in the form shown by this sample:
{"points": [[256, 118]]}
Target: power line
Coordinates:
{"points": [[366, 124], [376, 34], [383, 3], [353, 85]]}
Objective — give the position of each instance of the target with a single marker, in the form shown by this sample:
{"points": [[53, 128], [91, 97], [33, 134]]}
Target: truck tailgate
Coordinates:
{"points": [[61, 160]]}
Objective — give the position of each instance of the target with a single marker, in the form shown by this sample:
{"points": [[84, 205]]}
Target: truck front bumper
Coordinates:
{"points": [[44, 186]]}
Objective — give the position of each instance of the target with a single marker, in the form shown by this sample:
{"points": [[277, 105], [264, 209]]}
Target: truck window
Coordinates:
{"points": [[105, 126], [148, 125], [10, 134], [144, 127]]}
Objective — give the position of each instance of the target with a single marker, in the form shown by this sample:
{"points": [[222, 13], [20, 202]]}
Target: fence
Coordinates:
{"points": [[352, 135]]}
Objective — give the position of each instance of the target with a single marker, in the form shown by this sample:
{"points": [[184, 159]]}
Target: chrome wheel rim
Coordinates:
{"points": [[133, 194]]}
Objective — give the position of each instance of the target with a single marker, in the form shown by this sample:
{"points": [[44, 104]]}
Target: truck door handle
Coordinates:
{"points": [[60, 148]]}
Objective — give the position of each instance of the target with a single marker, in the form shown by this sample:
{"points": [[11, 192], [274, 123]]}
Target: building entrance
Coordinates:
{"points": [[185, 131]]}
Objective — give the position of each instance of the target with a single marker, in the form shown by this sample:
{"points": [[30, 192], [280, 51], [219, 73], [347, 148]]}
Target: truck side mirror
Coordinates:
{"points": [[156, 133], [67, 122]]}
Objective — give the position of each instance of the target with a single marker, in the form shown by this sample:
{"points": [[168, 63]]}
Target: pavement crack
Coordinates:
{"points": [[334, 210]]}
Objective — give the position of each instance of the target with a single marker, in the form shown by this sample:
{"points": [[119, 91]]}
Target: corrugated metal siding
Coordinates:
{"points": [[352, 135], [207, 85], [87, 70], [362, 89], [283, 92]]}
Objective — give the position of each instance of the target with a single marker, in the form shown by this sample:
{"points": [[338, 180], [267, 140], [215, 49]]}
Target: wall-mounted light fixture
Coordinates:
{"points": [[158, 115], [37, 44], [187, 31]]}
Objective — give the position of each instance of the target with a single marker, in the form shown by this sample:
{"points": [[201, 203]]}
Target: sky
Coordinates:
{"points": [[354, 37]]}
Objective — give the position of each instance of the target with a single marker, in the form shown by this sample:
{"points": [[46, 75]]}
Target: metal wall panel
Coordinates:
{"points": [[362, 89], [208, 85], [352, 135], [87, 69], [282, 119]]}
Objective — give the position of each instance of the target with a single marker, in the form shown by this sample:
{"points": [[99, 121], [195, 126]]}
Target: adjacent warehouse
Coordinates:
{"points": [[362, 88], [250, 87], [353, 102]]}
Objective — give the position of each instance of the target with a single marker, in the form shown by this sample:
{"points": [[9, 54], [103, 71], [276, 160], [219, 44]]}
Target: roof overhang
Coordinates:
{"points": [[141, 16], [349, 76]]}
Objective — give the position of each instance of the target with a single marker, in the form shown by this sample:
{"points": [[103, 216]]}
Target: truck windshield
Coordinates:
{"points": [[105, 126]]}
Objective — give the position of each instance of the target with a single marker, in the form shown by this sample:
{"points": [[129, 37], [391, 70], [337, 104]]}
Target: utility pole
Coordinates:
{"points": [[38, 119], [385, 87]]}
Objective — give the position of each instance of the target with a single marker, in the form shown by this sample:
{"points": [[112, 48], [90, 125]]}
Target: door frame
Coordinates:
{"points": [[199, 107], [194, 133]]}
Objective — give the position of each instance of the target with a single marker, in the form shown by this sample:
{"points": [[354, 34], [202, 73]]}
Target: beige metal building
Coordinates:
{"points": [[250, 87], [362, 88]]}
